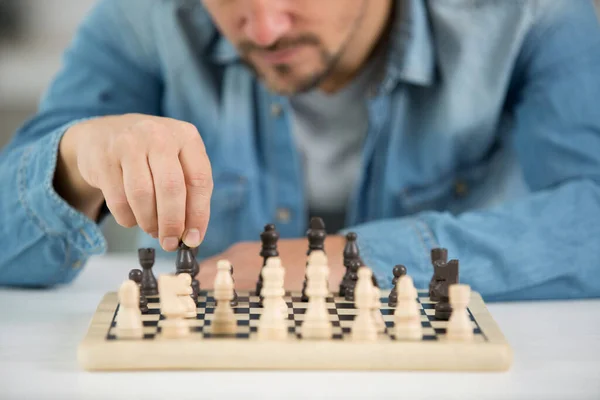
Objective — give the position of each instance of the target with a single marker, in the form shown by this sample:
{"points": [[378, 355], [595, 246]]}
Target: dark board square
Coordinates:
{"points": [[299, 311], [243, 323], [428, 306], [254, 316], [387, 311], [153, 311], [346, 317], [150, 323], [152, 300], [344, 306], [241, 310]]}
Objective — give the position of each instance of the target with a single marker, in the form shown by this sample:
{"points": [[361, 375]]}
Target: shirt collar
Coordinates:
{"points": [[410, 51]]}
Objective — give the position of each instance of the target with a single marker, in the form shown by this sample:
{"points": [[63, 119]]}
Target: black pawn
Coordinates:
{"points": [[149, 286], [136, 276], [352, 280], [316, 235], [269, 238], [399, 271], [185, 260], [351, 254]]}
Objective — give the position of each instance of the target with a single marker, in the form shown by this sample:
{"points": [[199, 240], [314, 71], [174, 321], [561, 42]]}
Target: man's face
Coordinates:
{"points": [[291, 44]]}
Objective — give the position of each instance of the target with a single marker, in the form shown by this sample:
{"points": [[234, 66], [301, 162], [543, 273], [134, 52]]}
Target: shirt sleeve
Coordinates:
{"points": [[109, 69], [545, 245]]}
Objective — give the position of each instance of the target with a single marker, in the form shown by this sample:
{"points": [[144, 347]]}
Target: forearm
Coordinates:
{"points": [[544, 246], [44, 240]]}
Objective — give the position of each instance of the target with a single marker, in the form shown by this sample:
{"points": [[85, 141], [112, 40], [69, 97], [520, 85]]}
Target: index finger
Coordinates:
{"points": [[199, 185]]}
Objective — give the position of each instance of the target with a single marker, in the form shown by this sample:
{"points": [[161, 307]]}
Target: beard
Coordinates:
{"points": [[285, 80], [327, 63]]}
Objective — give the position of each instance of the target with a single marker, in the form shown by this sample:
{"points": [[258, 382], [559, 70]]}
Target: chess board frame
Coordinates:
{"points": [[101, 350]]}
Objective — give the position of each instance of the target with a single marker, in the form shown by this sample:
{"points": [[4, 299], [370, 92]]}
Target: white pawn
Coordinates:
{"points": [[377, 316], [273, 322], [316, 323], [184, 294], [459, 326], [364, 327], [407, 317], [275, 262], [224, 322], [129, 317], [174, 325]]}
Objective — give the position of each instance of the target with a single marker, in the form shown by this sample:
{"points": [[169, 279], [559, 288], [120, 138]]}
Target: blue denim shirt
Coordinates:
{"points": [[484, 138]]}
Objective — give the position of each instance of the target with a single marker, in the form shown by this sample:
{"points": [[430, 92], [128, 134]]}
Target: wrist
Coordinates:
{"points": [[68, 181]]}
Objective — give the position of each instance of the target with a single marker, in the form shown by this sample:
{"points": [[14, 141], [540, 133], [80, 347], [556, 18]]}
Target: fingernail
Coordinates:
{"points": [[154, 235], [170, 243], [192, 238]]}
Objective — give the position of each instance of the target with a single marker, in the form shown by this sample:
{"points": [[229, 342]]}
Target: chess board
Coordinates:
{"points": [[102, 349]]}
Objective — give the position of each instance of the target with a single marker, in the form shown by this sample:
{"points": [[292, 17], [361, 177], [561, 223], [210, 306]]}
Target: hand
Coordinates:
{"points": [[152, 172], [247, 263]]}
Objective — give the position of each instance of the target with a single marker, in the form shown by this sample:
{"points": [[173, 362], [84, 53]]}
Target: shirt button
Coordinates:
{"points": [[460, 188], [276, 110], [283, 215]]}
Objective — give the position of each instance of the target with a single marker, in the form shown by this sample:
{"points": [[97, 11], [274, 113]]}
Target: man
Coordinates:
{"points": [[471, 125]]}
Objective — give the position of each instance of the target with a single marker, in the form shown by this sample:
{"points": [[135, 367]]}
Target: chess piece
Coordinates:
{"points": [[184, 293], [136, 276], [129, 317], [351, 254], [459, 326], [275, 262], [174, 325], [316, 323], [352, 280], [376, 310], [449, 276], [224, 322], [146, 258], [364, 327], [399, 271], [234, 301], [316, 235], [268, 238], [272, 324], [439, 258], [407, 316], [195, 281]]}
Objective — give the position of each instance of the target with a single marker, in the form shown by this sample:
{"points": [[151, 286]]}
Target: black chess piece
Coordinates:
{"points": [[438, 280], [351, 253], [316, 235], [269, 238], [399, 271], [136, 276], [443, 309], [439, 257], [352, 279], [149, 286], [195, 282], [185, 260], [234, 301]]}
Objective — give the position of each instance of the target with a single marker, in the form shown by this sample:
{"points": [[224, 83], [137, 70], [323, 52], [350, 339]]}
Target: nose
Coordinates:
{"points": [[265, 21]]}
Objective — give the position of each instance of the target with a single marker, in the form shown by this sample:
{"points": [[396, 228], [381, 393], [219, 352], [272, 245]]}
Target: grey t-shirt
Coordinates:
{"points": [[329, 130]]}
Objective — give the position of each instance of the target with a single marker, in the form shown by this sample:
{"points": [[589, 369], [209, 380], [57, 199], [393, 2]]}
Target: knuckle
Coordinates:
{"points": [[189, 130], [201, 180], [141, 189], [172, 184], [171, 226]]}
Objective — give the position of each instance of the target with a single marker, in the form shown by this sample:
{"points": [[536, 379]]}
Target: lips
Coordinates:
{"points": [[280, 56]]}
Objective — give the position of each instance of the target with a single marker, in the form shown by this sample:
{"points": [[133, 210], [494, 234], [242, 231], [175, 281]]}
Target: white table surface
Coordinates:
{"points": [[556, 355]]}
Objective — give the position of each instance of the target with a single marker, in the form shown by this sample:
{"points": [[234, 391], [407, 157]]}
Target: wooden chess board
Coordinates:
{"points": [[101, 349]]}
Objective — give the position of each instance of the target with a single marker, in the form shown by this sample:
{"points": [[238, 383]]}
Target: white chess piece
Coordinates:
{"points": [[184, 294], [459, 326], [377, 316], [275, 262], [224, 322], [129, 317], [364, 327], [273, 322], [174, 325], [316, 323], [407, 317]]}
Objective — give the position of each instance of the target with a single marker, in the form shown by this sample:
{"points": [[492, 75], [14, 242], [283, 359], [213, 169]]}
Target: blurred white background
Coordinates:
{"points": [[33, 36]]}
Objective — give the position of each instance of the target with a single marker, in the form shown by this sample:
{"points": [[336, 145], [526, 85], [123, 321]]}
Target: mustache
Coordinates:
{"points": [[246, 47]]}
